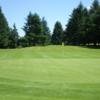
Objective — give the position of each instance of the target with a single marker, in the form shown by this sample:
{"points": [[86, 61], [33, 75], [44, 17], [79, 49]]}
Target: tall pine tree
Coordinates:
{"points": [[33, 30], [94, 19], [4, 31], [57, 36], [75, 33], [46, 32], [13, 37]]}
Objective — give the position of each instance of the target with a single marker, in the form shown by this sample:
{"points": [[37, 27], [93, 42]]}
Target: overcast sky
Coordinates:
{"points": [[16, 11]]}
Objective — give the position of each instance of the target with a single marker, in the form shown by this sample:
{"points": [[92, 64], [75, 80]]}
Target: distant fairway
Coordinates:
{"points": [[50, 73]]}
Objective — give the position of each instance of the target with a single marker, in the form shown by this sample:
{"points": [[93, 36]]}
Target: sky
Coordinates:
{"points": [[16, 11]]}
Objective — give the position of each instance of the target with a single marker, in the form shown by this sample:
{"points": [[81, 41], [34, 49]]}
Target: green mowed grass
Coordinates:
{"points": [[50, 73]]}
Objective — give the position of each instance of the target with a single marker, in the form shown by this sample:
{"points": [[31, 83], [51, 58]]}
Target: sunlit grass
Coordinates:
{"points": [[50, 73]]}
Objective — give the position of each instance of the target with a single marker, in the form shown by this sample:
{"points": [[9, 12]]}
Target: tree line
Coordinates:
{"points": [[83, 28]]}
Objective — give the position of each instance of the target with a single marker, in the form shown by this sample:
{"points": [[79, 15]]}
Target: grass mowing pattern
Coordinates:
{"points": [[50, 73]]}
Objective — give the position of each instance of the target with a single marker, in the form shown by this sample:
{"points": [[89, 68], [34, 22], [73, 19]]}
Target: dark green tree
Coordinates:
{"points": [[75, 33], [45, 32], [13, 37], [23, 42], [95, 6], [94, 19], [57, 36], [33, 29], [84, 27], [4, 31]]}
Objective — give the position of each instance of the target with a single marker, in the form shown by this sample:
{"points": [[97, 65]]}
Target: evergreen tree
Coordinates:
{"points": [[94, 19], [13, 37], [71, 29], [84, 27], [46, 32], [95, 6], [33, 29], [4, 31], [57, 36], [75, 33], [23, 42], [33, 24]]}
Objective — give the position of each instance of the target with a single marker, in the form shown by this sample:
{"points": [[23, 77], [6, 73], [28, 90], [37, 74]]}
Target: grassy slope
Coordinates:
{"points": [[50, 73]]}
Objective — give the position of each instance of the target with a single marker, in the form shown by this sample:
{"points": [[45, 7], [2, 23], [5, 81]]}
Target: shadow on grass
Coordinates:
{"points": [[91, 47]]}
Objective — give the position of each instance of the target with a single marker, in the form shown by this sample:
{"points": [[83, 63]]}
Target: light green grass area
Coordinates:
{"points": [[50, 73]]}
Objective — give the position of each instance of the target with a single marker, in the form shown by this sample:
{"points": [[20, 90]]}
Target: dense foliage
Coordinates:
{"points": [[57, 35], [4, 31], [83, 27], [13, 37], [8, 37], [36, 31]]}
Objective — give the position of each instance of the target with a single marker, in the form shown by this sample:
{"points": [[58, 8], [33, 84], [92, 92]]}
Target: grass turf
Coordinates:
{"points": [[50, 73]]}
